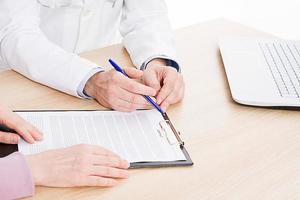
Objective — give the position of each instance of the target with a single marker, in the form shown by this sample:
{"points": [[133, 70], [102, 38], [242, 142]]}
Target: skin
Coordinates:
{"points": [[88, 165], [167, 82], [113, 90], [79, 165], [13, 121]]}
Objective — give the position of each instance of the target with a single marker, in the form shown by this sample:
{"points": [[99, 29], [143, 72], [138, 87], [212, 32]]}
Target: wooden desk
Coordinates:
{"points": [[239, 152]]}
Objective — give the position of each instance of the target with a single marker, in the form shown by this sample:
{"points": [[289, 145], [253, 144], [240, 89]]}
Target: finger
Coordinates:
{"points": [[9, 138], [100, 181], [110, 161], [122, 109], [35, 133], [22, 127], [117, 103], [124, 106], [135, 87], [174, 97], [133, 72], [24, 132], [175, 94], [132, 98], [109, 172], [170, 81], [151, 79]]}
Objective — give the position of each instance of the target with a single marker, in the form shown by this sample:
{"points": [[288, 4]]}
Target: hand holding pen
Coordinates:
{"points": [[151, 101], [114, 90]]}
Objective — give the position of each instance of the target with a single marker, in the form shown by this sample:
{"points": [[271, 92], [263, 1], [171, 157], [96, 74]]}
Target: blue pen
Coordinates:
{"points": [[119, 69]]}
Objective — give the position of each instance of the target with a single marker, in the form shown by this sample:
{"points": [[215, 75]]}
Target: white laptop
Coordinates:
{"points": [[262, 72]]}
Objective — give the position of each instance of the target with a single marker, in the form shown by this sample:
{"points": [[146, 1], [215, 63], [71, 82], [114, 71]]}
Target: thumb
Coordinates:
{"points": [[9, 138], [151, 80], [133, 72]]}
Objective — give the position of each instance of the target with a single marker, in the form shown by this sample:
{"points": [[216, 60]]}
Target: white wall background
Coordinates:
{"points": [[279, 17]]}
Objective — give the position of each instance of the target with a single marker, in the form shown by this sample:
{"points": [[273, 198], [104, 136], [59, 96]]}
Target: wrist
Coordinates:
{"points": [[156, 62], [35, 169], [89, 88]]}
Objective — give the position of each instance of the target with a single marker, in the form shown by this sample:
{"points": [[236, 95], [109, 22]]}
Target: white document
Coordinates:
{"points": [[136, 136]]}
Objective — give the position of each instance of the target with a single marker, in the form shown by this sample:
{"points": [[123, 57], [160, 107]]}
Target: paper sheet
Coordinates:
{"points": [[136, 136]]}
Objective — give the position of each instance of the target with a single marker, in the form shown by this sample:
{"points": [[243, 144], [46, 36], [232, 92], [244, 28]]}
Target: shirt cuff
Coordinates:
{"points": [[80, 89], [170, 62]]}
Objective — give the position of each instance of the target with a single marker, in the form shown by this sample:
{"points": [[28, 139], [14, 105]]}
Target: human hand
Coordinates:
{"points": [[13, 121], [114, 90], [167, 82], [79, 165]]}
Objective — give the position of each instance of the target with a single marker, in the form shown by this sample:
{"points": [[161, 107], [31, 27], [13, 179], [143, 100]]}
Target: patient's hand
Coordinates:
{"points": [[114, 90], [80, 165], [13, 121]]}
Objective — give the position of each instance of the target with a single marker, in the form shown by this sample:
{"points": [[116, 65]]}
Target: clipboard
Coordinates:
{"points": [[187, 162], [6, 149]]}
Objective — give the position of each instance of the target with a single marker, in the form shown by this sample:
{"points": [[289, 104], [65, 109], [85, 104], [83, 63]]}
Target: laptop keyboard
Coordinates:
{"points": [[283, 60]]}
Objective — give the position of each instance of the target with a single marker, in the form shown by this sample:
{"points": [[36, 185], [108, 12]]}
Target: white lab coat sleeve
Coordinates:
{"points": [[25, 48], [146, 31]]}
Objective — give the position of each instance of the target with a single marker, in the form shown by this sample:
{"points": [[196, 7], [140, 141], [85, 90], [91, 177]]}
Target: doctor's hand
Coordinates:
{"points": [[167, 82], [79, 165], [114, 90], [13, 121]]}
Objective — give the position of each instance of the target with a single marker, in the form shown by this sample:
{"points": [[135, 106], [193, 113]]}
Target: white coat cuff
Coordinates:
{"points": [[170, 62], [80, 89]]}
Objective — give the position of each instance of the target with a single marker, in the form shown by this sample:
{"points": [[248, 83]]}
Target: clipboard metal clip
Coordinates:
{"points": [[163, 132]]}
